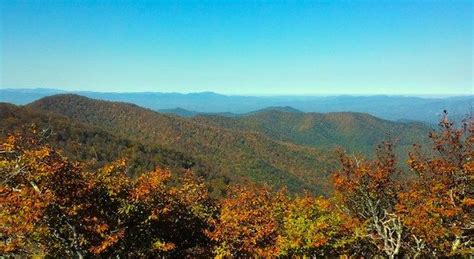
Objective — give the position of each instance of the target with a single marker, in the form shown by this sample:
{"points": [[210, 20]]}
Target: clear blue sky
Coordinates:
{"points": [[239, 47]]}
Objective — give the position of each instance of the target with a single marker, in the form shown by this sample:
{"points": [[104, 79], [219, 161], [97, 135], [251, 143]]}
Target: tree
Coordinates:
{"points": [[168, 219], [67, 217], [426, 213], [312, 227], [248, 222], [438, 203], [51, 206], [368, 192]]}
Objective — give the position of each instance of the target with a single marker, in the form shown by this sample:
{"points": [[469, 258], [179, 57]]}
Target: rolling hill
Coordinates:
{"points": [[280, 146], [356, 132], [91, 144], [240, 156]]}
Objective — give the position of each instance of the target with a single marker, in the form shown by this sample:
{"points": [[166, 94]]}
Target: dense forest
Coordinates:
{"points": [[326, 131], [248, 151], [54, 206], [83, 177], [239, 155]]}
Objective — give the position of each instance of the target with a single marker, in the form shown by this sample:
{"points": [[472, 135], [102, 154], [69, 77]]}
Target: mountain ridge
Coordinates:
{"points": [[324, 130], [89, 143], [238, 155], [426, 109]]}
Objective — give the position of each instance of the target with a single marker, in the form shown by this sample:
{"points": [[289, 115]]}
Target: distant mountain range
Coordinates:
{"points": [[187, 113], [394, 108], [280, 146]]}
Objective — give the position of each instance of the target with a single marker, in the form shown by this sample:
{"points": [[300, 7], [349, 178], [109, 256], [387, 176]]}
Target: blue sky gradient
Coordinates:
{"points": [[239, 47]]}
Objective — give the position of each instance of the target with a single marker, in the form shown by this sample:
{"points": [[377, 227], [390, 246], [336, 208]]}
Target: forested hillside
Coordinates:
{"points": [[92, 145], [52, 206], [237, 155], [356, 132], [278, 146]]}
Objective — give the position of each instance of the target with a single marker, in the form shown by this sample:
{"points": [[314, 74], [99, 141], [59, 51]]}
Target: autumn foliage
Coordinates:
{"points": [[424, 211], [50, 206], [438, 205]]}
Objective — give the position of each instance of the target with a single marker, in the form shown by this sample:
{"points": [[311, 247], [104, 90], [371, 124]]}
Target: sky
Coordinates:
{"points": [[239, 47]]}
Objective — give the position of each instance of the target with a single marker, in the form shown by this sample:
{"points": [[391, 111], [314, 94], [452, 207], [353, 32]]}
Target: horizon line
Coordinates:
{"points": [[432, 95]]}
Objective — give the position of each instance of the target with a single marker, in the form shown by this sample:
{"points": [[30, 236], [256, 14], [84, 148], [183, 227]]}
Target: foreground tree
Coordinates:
{"points": [[368, 192], [63, 218], [51, 206], [425, 212], [438, 204], [254, 221], [313, 227], [248, 222], [168, 220]]}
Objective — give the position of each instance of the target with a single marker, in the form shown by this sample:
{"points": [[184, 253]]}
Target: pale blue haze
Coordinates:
{"points": [[239, 47]]}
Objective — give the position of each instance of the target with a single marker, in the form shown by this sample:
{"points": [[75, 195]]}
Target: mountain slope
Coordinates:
{"points": [[238, 155], [356, 132], [91, 144]]}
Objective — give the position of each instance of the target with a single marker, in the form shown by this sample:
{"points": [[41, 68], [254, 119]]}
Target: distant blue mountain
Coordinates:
{"points": [[25, 96], [187, 113], [406, 108]]}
